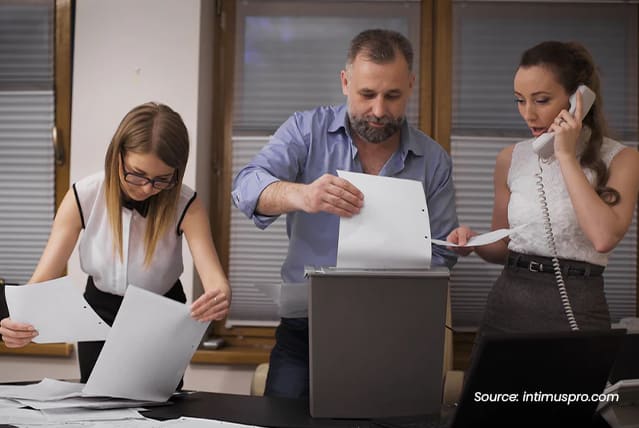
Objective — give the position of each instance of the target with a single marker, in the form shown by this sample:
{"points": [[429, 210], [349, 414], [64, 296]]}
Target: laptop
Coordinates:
{"points": [[627, 362], [376, 342], [537, 379]]}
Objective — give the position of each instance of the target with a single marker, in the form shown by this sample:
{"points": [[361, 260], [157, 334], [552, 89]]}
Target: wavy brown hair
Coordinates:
{"points": [[572, 65], [148, 128]]}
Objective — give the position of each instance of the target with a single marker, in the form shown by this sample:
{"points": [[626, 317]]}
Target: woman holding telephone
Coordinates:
{"points": [[576, 205]]}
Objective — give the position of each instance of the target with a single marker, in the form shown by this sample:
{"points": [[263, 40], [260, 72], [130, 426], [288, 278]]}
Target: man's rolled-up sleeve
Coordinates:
{"points": [[248, 186], [279, 160]]}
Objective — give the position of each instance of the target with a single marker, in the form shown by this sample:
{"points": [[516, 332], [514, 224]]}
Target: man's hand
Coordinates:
{"points": [[333, 195], [328, 193]]}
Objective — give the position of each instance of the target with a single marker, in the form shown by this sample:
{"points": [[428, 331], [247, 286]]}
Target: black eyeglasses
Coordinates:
{"points": [[141, 180]]}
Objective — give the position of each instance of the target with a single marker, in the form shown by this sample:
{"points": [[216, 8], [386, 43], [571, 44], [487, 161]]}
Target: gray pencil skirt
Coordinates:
{"points": [[525, 301]]}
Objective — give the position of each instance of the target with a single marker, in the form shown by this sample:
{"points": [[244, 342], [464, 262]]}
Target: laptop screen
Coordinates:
{"points": [[627, 362], [537, 379]]}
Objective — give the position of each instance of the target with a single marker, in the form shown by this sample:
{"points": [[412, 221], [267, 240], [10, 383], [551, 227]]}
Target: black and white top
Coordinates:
{"points": [[98, 257]]}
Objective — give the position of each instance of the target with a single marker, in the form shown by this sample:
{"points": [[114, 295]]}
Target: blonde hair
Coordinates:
{"points": [[148, 128]]}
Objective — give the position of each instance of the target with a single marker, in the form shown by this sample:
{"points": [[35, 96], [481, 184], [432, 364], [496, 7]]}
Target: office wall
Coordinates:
{"points": [[126, 53]]}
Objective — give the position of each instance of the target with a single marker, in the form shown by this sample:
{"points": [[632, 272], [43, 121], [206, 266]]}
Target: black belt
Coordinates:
{"points": [[107, 305], [544, 265]]}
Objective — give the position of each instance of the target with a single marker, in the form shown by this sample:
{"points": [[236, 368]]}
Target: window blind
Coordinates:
{"points": [[27, 173], [289, 58], [290, 54], [26, 44], [489, 38], [27, 177], [255, 256]]}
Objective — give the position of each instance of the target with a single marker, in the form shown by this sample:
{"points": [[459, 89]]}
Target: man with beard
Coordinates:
{"points": [[295, 173]]}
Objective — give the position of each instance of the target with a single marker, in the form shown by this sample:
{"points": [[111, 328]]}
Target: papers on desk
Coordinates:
{"points": [[392, 231], [74, 418], [185, 422], [67, 415], [81, 411], [69, 319], [56, 401], [55, 394], [45, 390]]}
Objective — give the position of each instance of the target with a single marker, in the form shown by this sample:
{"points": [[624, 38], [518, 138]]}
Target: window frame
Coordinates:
{"points": [[63, 56]]}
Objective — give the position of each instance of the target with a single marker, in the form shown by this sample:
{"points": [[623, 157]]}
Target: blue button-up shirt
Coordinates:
{"points": [[312, 143]]}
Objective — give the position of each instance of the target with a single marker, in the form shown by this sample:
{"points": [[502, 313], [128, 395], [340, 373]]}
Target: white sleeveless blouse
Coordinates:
{"points": [[525, 208], [97, 257]]}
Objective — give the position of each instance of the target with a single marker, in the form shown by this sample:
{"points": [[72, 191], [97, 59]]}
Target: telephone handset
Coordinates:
{"points": [[543, 145]]}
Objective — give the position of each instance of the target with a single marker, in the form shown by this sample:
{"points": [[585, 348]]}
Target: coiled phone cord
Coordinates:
{"points": [[550, 240]]}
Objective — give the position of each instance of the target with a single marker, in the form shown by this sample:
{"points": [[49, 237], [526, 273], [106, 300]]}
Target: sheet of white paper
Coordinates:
{"points": [[96, 403], [57, 310], [185, 422], [73, 414], [6, 403], [392, 231], [45, 390], [128, 423], [24, 417], [150, 344], [483, 239]]}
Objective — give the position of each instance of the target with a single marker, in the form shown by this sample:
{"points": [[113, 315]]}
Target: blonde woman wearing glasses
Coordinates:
{"points": [[133, 216]]}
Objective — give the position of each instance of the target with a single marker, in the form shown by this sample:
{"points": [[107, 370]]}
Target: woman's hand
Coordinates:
{"points": [[567, 128], [212, 305], [215, 302], [460, 236], [16, 334]]}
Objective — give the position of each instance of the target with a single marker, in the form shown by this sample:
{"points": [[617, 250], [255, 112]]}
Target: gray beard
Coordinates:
{"points": [[362, 127]]}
